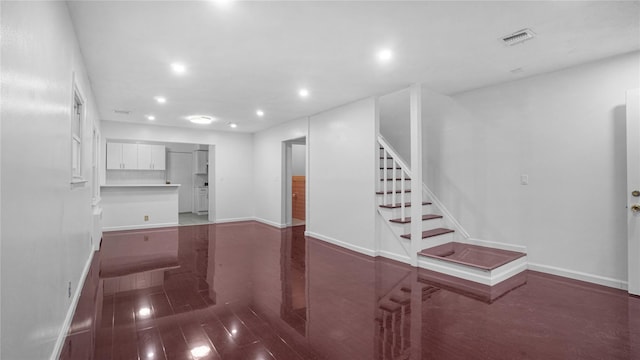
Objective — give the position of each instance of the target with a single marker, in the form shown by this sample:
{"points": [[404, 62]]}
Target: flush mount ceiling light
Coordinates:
{"points": [[260, 113], [233, 125], [303, 93], [518, 37], [160, 99], [151, 117], [384, 55], [178, 68], [201, 119]]}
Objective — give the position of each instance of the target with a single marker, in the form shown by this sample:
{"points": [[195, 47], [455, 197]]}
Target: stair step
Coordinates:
{"points": [[400, 299], [408, 219], [398, 179], [397, 206], [428, 291], [480, 257], [429, 233], [391, 192], [390, 307]]}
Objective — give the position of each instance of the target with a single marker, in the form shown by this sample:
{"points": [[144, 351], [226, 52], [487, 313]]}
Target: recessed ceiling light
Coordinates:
{"points": [[178, 68], [260, 113], [303, 93], [223, 3], [151, 117], [201, 119], [161, 99], [233, 125], [385, 55]]}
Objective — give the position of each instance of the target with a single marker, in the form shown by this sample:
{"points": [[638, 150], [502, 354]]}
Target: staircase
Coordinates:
{"points": [[443, 249]]}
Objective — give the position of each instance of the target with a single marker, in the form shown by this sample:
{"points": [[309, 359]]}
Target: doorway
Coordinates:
{"points": [[295, 186]]}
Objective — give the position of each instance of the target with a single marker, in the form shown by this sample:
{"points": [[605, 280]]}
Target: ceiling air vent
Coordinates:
{"points": [[518, 37], [122, 112]]}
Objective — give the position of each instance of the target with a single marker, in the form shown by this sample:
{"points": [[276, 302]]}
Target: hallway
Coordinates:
{"points": [[251, 291]]}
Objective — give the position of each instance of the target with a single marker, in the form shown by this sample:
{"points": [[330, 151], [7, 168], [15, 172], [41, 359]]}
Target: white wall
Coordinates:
{"points": [[233, 161], [46, 223], [342, 176], [268, 166], [566, 131], [395, 126], [299, 159]]}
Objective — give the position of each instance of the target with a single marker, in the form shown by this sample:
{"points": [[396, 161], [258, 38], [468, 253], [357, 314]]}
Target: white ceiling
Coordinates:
{"points": [[252, 55]]}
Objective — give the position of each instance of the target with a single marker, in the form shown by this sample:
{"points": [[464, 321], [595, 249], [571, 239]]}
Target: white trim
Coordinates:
{"points": [[343, 244], [57, 349], [445, 213], [394, 256], [137, 227], [496, 245], [486, 277], [260, 220], [578, 275], [509, 270]]}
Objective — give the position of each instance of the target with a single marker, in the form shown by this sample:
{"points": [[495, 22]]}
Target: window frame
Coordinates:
{"points": [[78, 116]]}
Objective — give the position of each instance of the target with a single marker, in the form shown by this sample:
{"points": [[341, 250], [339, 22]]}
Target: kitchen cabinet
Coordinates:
{"points": [[151, 157], [200, 162], [125, 156], [122, 156]]}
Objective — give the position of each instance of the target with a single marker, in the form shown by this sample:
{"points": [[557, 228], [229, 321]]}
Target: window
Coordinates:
{"points": [[77, 125]]}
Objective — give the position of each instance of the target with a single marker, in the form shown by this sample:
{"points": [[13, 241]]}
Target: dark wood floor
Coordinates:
{"points": [[249, 291]]}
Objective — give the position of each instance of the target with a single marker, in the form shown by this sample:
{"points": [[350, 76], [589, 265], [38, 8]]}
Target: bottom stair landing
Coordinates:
{"points": [[479, 264]]}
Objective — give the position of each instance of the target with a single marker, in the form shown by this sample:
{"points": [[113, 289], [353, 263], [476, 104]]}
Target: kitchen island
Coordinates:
{"points": [[139, 206]]}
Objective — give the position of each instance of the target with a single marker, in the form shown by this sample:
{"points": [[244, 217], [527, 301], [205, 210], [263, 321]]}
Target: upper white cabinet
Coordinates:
{"points": [[125, 156], [122, 156], [158, 157], [200, 161]]}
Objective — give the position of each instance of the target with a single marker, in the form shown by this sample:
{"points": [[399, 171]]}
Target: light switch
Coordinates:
{"points": [[524, 179]]}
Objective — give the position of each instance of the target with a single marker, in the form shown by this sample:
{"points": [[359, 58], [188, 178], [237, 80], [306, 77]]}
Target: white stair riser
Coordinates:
{"points": [[426, 225], [492, 277], [399, 198], [389, 214], [436, 240]]}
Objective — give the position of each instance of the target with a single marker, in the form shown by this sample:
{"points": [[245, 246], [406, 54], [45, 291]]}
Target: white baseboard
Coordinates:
{"points": [[57, 349], [231, 220], [496, 245], [394, 256], [269, 222], [343, 244], [578, 275], [137, 227]]}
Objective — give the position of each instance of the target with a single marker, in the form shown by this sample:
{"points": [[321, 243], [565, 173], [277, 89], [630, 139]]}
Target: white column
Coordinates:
{"points": [[416, 170]]}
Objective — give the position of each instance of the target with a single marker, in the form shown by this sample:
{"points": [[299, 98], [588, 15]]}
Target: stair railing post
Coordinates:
{"points": [[415, 107], [380, 161], [384, 178], [394, 195], [402, 199]]}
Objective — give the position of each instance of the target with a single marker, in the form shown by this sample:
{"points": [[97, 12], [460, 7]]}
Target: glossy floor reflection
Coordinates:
{"points": [[250, 291]]}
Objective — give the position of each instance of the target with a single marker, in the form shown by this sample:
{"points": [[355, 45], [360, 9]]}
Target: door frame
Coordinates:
{"points": [[633, 183], [287, 171]]}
